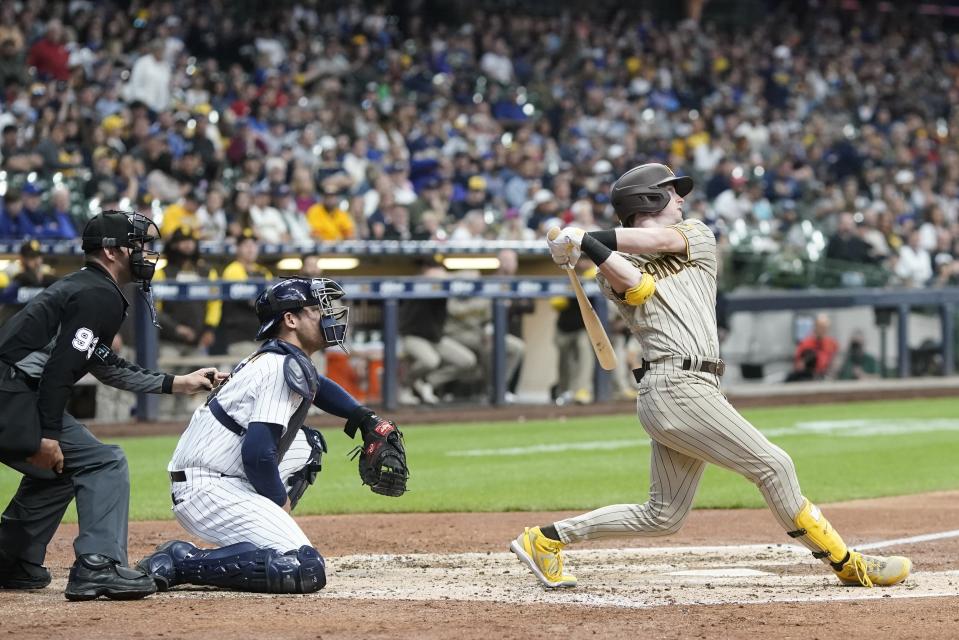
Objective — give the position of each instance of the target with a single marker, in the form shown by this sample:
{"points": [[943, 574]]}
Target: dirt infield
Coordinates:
{"points": [[728, 574]]}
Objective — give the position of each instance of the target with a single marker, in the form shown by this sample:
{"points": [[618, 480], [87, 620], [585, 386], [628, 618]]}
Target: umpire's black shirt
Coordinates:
{"points": [[66, 331]]}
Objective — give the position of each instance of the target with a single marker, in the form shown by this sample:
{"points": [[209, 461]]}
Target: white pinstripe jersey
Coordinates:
{"points": [[680, 318], [256, 393]]}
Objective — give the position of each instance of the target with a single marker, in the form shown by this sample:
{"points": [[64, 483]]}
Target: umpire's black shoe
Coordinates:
{"points": [[94, 575], [20, 574]]}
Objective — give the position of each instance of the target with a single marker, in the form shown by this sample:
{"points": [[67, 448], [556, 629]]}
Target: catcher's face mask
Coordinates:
{"points": [[334, 317], [291, 294]]}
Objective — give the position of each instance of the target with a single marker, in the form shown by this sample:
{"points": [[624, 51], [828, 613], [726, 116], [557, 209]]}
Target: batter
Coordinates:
{"points": [[660, 271]]}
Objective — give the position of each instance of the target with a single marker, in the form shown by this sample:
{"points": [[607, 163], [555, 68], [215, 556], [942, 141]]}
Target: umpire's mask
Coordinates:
{"points": [[131, 230]]}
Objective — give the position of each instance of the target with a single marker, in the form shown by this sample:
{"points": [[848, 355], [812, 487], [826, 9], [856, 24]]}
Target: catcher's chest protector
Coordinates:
{"points": [[301, 376]]}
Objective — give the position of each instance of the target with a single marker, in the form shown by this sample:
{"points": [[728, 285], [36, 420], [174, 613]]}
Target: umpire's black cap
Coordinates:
{"points": [[117, 229]]}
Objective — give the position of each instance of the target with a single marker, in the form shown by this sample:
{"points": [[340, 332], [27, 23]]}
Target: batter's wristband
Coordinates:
{"points": [[596, 250], [606, 236]]}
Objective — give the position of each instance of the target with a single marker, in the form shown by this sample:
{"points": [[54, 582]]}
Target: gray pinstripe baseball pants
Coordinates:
{"points": [[691, 423]]}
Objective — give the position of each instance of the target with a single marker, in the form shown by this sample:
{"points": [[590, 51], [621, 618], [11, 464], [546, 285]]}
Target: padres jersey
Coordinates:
{"points": [[258, 392], [680, 318]]}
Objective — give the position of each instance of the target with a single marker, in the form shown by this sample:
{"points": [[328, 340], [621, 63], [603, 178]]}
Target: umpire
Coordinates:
{"points": [[62, 334]]}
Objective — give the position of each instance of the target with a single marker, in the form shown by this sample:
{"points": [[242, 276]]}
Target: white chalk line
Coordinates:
{"points": [[895, 542], [860, 428]]}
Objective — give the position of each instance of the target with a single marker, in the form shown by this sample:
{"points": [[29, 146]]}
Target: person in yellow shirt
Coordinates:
{"points": [[181, 214], [239, 320], [328, 221]]}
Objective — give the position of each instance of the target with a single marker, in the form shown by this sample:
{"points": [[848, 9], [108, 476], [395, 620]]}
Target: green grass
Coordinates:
{"points": [[908, 457]]}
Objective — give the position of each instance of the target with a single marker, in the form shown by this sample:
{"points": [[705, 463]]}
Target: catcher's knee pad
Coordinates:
{"points": [[813, 525]]}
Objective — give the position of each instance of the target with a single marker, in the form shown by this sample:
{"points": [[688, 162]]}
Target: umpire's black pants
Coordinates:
{"points": [[96, 474]]}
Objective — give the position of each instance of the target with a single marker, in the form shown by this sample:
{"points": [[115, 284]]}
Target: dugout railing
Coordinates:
{"points": [[886, 302]]}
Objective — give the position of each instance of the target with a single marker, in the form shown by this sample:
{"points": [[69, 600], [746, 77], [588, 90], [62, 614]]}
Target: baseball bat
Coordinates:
{"points": [[594, 328]]}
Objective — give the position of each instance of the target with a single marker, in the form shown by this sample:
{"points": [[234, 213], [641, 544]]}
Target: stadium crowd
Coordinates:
{"points": [[832, 134]]}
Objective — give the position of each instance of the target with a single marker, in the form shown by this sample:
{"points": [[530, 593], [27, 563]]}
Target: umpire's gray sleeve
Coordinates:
{"points": [[111, 369]]}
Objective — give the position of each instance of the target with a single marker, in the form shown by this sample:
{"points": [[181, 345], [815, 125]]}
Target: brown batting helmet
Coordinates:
{"points": [[643, 190]]}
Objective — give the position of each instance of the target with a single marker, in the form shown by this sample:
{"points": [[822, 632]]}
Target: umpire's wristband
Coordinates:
{"points": [[595, 250]]}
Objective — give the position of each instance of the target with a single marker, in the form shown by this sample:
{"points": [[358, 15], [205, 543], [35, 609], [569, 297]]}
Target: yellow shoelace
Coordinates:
{"points": [[862, 573]]}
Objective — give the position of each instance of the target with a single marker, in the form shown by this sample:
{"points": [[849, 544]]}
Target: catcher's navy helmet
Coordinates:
{"points": [[290, 294], [643, 190]]}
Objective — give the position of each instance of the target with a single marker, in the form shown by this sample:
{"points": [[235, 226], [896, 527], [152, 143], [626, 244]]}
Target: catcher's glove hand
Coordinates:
{"points": [[382, 463]]}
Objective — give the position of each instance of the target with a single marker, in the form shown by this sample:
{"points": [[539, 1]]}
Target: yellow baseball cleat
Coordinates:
{"points": [[544, 558], [868, 571]]}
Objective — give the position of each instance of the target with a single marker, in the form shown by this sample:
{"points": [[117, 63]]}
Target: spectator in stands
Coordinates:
{"points": [[858, 365], [472, 227], [54, 152], [734, 203], [188, 327], [576, 360], [304, 189], [514, 227], [470, 322], [33, 221], [847, 245], [821, 345], [805, 367], [60, 224], [238, 319], [151, 78], [327, 218], [545, 207], [265, 218], [518, 309], [211, 216], [49, 54], [184, 213], [33, 273], [475, 200], [914, 264], [17, 158], [297, 227], [376, 129], [13, 67], [435, 358], [189, 323], [395, 224], [13, 223], [311, 266]]}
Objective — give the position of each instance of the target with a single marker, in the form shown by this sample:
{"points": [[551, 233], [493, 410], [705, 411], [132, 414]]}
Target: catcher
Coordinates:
{"points": [[246, 458]]}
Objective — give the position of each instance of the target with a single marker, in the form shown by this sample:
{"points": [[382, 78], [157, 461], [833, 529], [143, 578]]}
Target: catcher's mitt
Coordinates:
{"points": [[382, 456]]}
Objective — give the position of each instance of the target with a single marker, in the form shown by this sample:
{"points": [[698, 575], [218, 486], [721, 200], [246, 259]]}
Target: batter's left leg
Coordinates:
{"points": [[673, 480]]}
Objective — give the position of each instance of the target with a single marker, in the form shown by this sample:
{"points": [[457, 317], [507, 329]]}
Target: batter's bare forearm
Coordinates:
{"points": [[620, 273], [641, 241]]}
